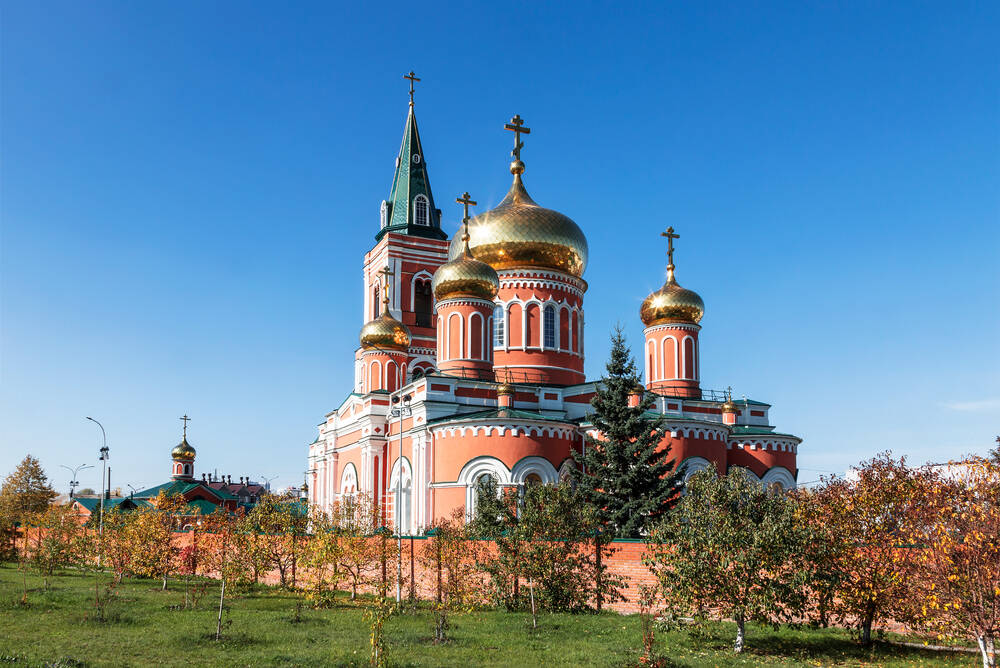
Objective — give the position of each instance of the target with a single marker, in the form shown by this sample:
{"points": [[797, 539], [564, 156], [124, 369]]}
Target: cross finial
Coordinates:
{"points": [[465, 201], [670, 235], [185, 420], [517, 126], [386, 274], [412, 77], [729, 393]]}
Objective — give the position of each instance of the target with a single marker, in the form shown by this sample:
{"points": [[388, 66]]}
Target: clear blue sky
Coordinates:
{"points": [[188, 189]]}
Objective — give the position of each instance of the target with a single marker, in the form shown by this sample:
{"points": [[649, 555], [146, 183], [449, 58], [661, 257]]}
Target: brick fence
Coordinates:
{"points": [[624, 560]]}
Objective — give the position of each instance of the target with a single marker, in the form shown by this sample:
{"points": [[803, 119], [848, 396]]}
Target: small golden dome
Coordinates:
{"points": [[465, 276], [519, 233], [672, 303], [728, 406], [183, 450], [504, 389], [385, 333]]}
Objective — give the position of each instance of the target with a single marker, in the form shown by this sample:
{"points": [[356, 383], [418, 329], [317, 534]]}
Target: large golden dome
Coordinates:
{"points": [[519, 233], [183, 450], [385, 333], [465, 276], [672, 303]]}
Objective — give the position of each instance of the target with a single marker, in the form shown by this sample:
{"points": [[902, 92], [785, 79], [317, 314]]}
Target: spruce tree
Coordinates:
{"points": [[625, 472]]}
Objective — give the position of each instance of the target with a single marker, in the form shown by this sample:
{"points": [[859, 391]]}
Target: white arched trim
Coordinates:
{"points": [[566, 470], [694, 359], [692, 465], [422, 275], [349, 480], [472, 471], [537, 465], [651, 358], [420, 202], [468, 343], [781, 476], [393, 477], [667, 374]]}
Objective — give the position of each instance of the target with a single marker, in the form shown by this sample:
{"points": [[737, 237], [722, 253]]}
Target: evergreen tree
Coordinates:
{"points": [[624, 472], [24, 493]]}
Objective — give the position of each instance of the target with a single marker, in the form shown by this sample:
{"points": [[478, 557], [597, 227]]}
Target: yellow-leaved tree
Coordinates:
{"points": [[956, 525]]}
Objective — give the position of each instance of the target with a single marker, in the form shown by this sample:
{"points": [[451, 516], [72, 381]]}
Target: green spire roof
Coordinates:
{"points": [[410, 208]]}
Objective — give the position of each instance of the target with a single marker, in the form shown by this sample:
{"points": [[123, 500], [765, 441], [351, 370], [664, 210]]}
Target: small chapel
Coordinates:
{"points": [[471, 360]]}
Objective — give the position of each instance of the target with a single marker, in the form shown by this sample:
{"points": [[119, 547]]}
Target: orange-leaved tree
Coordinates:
{"points": [[452, 557], [957, 527], [157, 554], [864, 516]]}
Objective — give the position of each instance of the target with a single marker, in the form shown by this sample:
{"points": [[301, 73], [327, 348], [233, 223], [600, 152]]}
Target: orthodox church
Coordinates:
{"points": [[471, 360]]}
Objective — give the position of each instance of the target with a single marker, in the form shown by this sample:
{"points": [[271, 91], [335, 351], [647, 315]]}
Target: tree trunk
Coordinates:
{"points": [[741, 633], [222, 597], [164, 582], [866, 623], [988, 650], [531, 593]]}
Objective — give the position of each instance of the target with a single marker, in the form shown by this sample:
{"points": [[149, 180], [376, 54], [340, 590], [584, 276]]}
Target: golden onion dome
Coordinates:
{"points": [[672, 303], [465, 276], [505, 388], [519, 233], [385, 333], [728, 406], [183, 450]]}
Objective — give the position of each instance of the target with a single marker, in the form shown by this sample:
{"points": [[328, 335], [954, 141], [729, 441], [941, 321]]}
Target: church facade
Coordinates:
{"points": [[471, 360]]}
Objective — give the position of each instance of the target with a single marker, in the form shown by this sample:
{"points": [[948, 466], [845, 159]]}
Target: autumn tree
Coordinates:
{"points": [[955, 527], [321, 558], [156, 553], [59, 536], [452, 558], [26, 492], [864, 518], [220, 556], [731, 546], [357, 519], [544, 535], [282, 525], [626, 472], [120, 544]]}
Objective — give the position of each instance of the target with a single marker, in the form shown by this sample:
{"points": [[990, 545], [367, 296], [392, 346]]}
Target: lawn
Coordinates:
{"points": [[58, 628]]}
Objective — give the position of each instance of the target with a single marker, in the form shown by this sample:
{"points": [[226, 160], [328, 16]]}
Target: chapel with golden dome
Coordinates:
{"points": [[471, 359]]}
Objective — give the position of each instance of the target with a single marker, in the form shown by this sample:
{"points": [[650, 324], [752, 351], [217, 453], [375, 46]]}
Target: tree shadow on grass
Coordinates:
{"points": [[823, 646]]}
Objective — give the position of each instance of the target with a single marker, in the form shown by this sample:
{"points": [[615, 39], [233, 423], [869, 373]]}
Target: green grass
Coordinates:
{"points": [[58, 628]]}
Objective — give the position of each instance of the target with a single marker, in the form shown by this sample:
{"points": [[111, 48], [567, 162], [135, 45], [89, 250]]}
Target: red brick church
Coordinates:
{"points": [[471, 360]]}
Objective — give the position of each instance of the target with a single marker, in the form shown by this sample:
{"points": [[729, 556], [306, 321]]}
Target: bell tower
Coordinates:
{"points": [[411, 243]]}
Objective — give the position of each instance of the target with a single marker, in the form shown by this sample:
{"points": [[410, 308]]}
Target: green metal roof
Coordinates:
{"points": [[411, 179], [499, 413], [752, 430]]}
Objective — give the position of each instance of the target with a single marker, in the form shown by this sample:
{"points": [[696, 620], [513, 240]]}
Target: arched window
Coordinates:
{"points": [[420, 210], [549, 326], [423, 303], [378, 304], [498, 327]]}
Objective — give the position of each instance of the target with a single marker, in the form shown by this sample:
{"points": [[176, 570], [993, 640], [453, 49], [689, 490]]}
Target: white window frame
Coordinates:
{"points": [[417, 201]]}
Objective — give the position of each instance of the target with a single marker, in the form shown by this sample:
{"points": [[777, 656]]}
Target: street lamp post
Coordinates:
{"points": [[104, 471], [399, 412], [73, 481]]}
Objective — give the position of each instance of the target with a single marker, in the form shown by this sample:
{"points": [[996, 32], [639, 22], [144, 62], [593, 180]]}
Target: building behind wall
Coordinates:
{"points": [[471, 360]]}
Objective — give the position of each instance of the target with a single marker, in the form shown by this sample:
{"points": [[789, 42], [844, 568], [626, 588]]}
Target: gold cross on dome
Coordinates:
{"points": [[670, 235], [412, 78], [386, 273], [517, 126], [185, 420], [464, 200]]}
